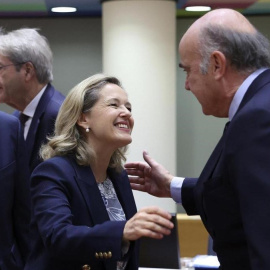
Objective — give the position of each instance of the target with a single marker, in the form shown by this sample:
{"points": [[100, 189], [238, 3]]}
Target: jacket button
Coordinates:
{"points": [[86, 267], [109, 254], [96, 255], [100, 255], [105, 255]]}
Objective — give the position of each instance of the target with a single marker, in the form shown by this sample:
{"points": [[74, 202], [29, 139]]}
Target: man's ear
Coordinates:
{"points": [[218, 61], [29, 70], [82, 121]]}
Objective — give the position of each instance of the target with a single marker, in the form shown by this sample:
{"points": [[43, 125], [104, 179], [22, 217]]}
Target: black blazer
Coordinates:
{"points": [[232, 195], [70, 219], [42, 124], [14, 196]]}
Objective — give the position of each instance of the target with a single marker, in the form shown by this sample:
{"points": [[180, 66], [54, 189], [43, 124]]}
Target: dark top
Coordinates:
{"points": [[71, 222], [14, 195]]}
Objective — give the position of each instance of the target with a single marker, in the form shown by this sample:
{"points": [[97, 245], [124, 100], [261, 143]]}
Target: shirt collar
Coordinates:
{"points": [[31, 107], [241, 92]]}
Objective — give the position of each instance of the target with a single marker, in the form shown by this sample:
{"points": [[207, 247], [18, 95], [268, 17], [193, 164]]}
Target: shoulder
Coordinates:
{"points": [[56, 165], [56, 96], [9, 124], [50, 104], [7, 118]]}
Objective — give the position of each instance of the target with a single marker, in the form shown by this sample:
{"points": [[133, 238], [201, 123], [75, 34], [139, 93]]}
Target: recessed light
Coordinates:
{"points": [[63, 9], [198, 8]]}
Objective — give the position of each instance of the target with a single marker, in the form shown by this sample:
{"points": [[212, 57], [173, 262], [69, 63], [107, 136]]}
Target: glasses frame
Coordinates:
{"points": [[4, 66]]}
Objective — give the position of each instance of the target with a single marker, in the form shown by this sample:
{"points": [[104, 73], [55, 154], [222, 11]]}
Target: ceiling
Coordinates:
{"points": [[92, 8]]}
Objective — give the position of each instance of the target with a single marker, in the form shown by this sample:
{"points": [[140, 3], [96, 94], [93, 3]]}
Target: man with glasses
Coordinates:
{"points": [[25, 85]]}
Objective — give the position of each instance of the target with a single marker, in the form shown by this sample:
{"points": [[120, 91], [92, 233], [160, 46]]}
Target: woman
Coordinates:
{"points": [[84, 214]]}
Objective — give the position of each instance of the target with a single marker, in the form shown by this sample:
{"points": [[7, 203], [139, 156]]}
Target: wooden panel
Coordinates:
{"points": [[193, 237]]}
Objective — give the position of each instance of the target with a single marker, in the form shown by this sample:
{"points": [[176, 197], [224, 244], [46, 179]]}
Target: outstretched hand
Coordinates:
{"points": [[150, 177], [150, 222]]}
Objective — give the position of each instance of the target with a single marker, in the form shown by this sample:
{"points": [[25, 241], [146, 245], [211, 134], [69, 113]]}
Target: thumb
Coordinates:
{"points": [[148, 159]]}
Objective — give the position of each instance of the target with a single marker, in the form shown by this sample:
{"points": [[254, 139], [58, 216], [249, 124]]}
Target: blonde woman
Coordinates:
{"points": [[84, 214]]}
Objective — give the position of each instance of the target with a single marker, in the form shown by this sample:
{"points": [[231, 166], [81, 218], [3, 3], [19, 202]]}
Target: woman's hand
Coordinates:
{"points": [[150, 222]]}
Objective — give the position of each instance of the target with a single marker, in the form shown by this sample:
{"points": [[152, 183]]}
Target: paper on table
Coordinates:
{"points": [[205, 261]]}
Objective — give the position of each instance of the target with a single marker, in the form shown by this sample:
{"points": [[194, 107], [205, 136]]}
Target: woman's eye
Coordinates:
{"points": [[129, 108], [113, 105]]}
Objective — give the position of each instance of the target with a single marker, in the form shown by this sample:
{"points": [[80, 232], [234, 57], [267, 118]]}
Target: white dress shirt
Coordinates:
{"points": [[30, 110]]}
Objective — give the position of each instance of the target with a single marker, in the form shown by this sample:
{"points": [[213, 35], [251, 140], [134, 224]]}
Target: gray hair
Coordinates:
{"points": [[246, 52], [27, 45], [69, 138]]}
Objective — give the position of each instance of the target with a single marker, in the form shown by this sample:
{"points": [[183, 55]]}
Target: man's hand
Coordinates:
{"points": [[149, 177]]}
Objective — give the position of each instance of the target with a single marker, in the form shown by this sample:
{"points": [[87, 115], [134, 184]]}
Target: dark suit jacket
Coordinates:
{"points": [[42, 123], [232, 195], [14, 195], [71, 221]]}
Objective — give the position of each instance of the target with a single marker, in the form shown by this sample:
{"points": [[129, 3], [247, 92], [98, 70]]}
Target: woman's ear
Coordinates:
{"points": [[83, 121], [218, 61]]}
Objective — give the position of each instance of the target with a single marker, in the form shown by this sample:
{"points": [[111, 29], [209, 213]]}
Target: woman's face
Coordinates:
{"points": [[110, 120]]}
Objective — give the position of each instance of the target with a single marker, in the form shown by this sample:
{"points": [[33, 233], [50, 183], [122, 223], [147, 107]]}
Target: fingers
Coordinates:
{"points": [[134, 171], [140, 165], [136, 165], [138, 187], [148, 222]]}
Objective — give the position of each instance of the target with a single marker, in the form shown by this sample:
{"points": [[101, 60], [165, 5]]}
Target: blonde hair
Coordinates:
{"points": [[68, 138]]}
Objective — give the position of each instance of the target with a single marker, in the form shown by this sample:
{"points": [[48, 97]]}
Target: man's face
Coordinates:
{"points": [[201, 85], [10, 82]]}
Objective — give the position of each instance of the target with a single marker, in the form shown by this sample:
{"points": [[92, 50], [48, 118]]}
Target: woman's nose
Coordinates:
{"points": [[125, 112]]}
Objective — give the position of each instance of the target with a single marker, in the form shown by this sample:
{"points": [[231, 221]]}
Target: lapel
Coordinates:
{"points": [[123, 191], [41, 107], [209, 169], [90, 192]]}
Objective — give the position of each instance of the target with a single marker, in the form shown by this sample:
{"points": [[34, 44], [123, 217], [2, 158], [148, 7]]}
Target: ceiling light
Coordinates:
{"points": [[63, 9], [198, 8]]}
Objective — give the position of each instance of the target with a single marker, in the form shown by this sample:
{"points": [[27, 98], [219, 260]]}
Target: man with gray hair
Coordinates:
{"points": [[25, 84]]}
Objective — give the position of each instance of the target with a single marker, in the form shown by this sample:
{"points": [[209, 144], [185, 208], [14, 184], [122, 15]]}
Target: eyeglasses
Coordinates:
{"points": [[4, 66]]}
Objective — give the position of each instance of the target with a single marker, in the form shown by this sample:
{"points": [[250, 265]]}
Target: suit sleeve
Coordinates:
{"points": [[188, 196]]}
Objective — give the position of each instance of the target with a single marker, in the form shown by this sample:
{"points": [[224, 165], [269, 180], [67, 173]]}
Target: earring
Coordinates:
{"points": [[87, 130]]}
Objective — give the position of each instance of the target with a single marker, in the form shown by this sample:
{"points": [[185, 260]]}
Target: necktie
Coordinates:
{"points": [[23, 118]]}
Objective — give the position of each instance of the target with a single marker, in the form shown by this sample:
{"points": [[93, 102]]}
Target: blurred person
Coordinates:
{"points": [[84, 213], [25, 85], [226, 61], [14, 196]]}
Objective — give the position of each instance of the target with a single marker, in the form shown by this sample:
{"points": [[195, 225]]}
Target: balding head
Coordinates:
{"points": [[229, 32], [226, 18]]}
